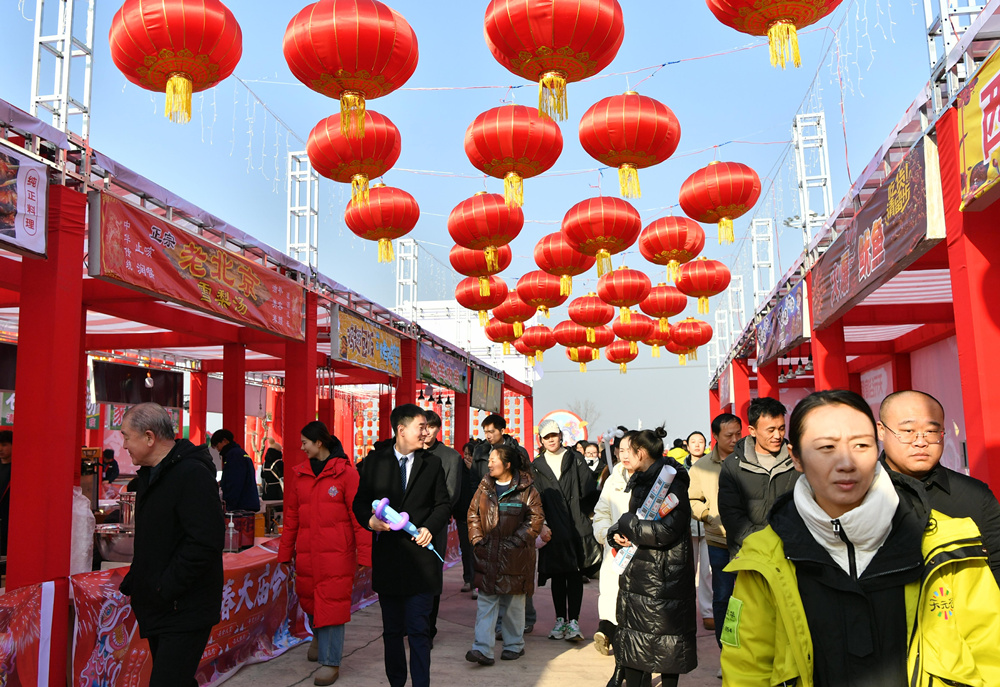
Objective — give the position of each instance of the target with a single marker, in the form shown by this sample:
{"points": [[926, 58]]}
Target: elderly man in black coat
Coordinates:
{"points": [[175, 582], [405, 574]]}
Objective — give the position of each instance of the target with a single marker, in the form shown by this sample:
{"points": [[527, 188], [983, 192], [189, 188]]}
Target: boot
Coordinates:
{"points": [[617, 678], [326, 675], [313, 653]]}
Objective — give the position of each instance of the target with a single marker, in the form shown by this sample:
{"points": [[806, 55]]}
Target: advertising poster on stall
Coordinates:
{"points": [[362, 342], [133, 247], [6, 408], [24, 186], [443, 369], [979, 134], [902, 220], [487, 392], [20, 620], [785, 326], [261, 619]]}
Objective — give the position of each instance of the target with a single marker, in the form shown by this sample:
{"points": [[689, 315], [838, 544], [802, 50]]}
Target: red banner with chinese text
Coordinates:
{"points": [[261, 619], [139, 249], [20, 615]]}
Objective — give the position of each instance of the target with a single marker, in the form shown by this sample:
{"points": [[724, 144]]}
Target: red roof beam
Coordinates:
{"points": [[10, 274], [153, 340], [899, 314]]}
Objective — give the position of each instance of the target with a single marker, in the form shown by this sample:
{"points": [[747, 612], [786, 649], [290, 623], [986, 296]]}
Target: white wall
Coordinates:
{"points": [[935, 371]]}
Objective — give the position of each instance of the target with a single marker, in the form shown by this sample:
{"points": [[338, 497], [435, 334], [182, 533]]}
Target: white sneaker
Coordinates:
{"points": [[559, 631], [573, 633], [719, 674]]}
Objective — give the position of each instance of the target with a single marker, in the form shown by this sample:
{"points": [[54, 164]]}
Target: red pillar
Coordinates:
{"points": [[406, 391], [829, 352], [385, 428], [854, 383], [234, 395], [741, 388], [767, 381], [51, 291], [529, 426], [198, 408], [973, 256], [902, 377], [300, 389], [714, 404], [462, 415]]}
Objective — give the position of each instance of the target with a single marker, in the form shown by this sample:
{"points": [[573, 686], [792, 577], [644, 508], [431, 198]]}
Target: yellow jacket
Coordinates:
{"points": [[953, 615]]}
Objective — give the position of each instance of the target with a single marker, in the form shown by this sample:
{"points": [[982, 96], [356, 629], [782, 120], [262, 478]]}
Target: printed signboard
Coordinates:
{"points": [[24, 185], [443, 369], [362, 342]]}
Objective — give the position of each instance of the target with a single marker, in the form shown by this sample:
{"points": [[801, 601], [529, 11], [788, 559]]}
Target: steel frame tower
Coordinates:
{"points": [[67, 49], [762, 234], [302, 227], [737, 306], [407, 254], [812, 169], [947, 21]]}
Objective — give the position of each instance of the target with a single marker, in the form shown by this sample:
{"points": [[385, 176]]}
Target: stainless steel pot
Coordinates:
{"points": [[114, 542]]}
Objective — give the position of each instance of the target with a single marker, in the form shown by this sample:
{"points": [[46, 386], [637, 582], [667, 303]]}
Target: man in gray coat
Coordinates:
{"points": [[451, 461]]}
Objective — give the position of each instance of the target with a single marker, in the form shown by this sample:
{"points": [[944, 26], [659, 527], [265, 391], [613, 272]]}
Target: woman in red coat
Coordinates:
{"points": [[328, 544]]}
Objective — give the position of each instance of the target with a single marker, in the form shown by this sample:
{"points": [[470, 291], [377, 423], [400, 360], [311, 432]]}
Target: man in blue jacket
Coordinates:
{"points": [[239, 483]]}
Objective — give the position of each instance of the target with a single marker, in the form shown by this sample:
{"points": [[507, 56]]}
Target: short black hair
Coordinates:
{"points": [[697, 433], [724, 419], [404, 415], [433, 419], [494, 420], [219, 435], [678, 443], [6, 436], [765, 407], [834, 397], [649, 439], [317, 433], [888, 400], [510, 457]]}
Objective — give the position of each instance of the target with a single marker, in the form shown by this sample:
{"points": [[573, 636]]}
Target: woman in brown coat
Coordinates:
{"points": [[504, 519]]}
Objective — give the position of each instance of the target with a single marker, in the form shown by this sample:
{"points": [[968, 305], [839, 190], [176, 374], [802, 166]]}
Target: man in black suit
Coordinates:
{"points": [[405, 574]]}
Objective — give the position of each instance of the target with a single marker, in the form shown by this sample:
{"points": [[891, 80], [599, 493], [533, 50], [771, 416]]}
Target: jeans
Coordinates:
{"points": [[530, 614], [704, 570], [722, 587], [176, 656], [512, 625], [468, 572], [330, 640], [409, 614]]}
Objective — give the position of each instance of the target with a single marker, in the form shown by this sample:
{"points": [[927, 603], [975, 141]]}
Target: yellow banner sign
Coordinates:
{"points": [[979, 133], [364, 343]]}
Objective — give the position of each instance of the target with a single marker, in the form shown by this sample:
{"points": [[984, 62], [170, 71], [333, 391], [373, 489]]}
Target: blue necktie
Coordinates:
{"points": [[402, 472]]}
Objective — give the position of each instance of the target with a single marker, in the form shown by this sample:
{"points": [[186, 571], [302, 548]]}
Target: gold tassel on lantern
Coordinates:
{"points": [[628, 181], [565, 285], [177, 107], [518, 329], [492, 258], [692, 354], [672, 268], [583, 367], [531, 360], [544, 310], [622, 368], [603, 263], [484, 286], [359, 189], [385, 252], [656, 350], [506, 347], [726, 231], [703, 305], [552, 96], [513, 189], [625, 316], [591, 336], [664, 326], [538, 355], [484, 318], [682, 360], [352, 114], [784, 42], [633, 347]]}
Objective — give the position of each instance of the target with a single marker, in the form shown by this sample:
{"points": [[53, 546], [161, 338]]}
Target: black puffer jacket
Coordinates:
{"points": [[656, 593], [175, 580], [568, 504]]}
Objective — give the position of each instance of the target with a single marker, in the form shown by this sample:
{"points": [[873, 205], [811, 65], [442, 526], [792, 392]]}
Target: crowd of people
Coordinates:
{"points": [[814, 557]]}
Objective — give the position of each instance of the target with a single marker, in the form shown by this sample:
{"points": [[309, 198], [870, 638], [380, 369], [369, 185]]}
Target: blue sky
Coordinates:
{"points": [[230, 159]]}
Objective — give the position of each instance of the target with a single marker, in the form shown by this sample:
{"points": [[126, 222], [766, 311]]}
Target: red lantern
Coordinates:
{"points": [[638, 328], [621, 352], [629, 132], [671, 241], [656, 339], [603, 336], [583, 355], [350, 50], [554, 255], [540, 290], [779, 20], [354, 160], [472, 263], [501, 333], [177, 47], [663, 302], [468, 295], [554, 42], [538, 339], [570, 334], [623, 288], [513, 143], [521, 347], [691, 334], [703, 278], [682, 352], [514, 311], [590, 311], [602, 227], [484, 222], [388, 214], [720, 193]]}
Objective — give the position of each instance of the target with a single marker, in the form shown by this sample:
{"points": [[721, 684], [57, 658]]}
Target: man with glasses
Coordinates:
{"points": [[912, 432]]}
